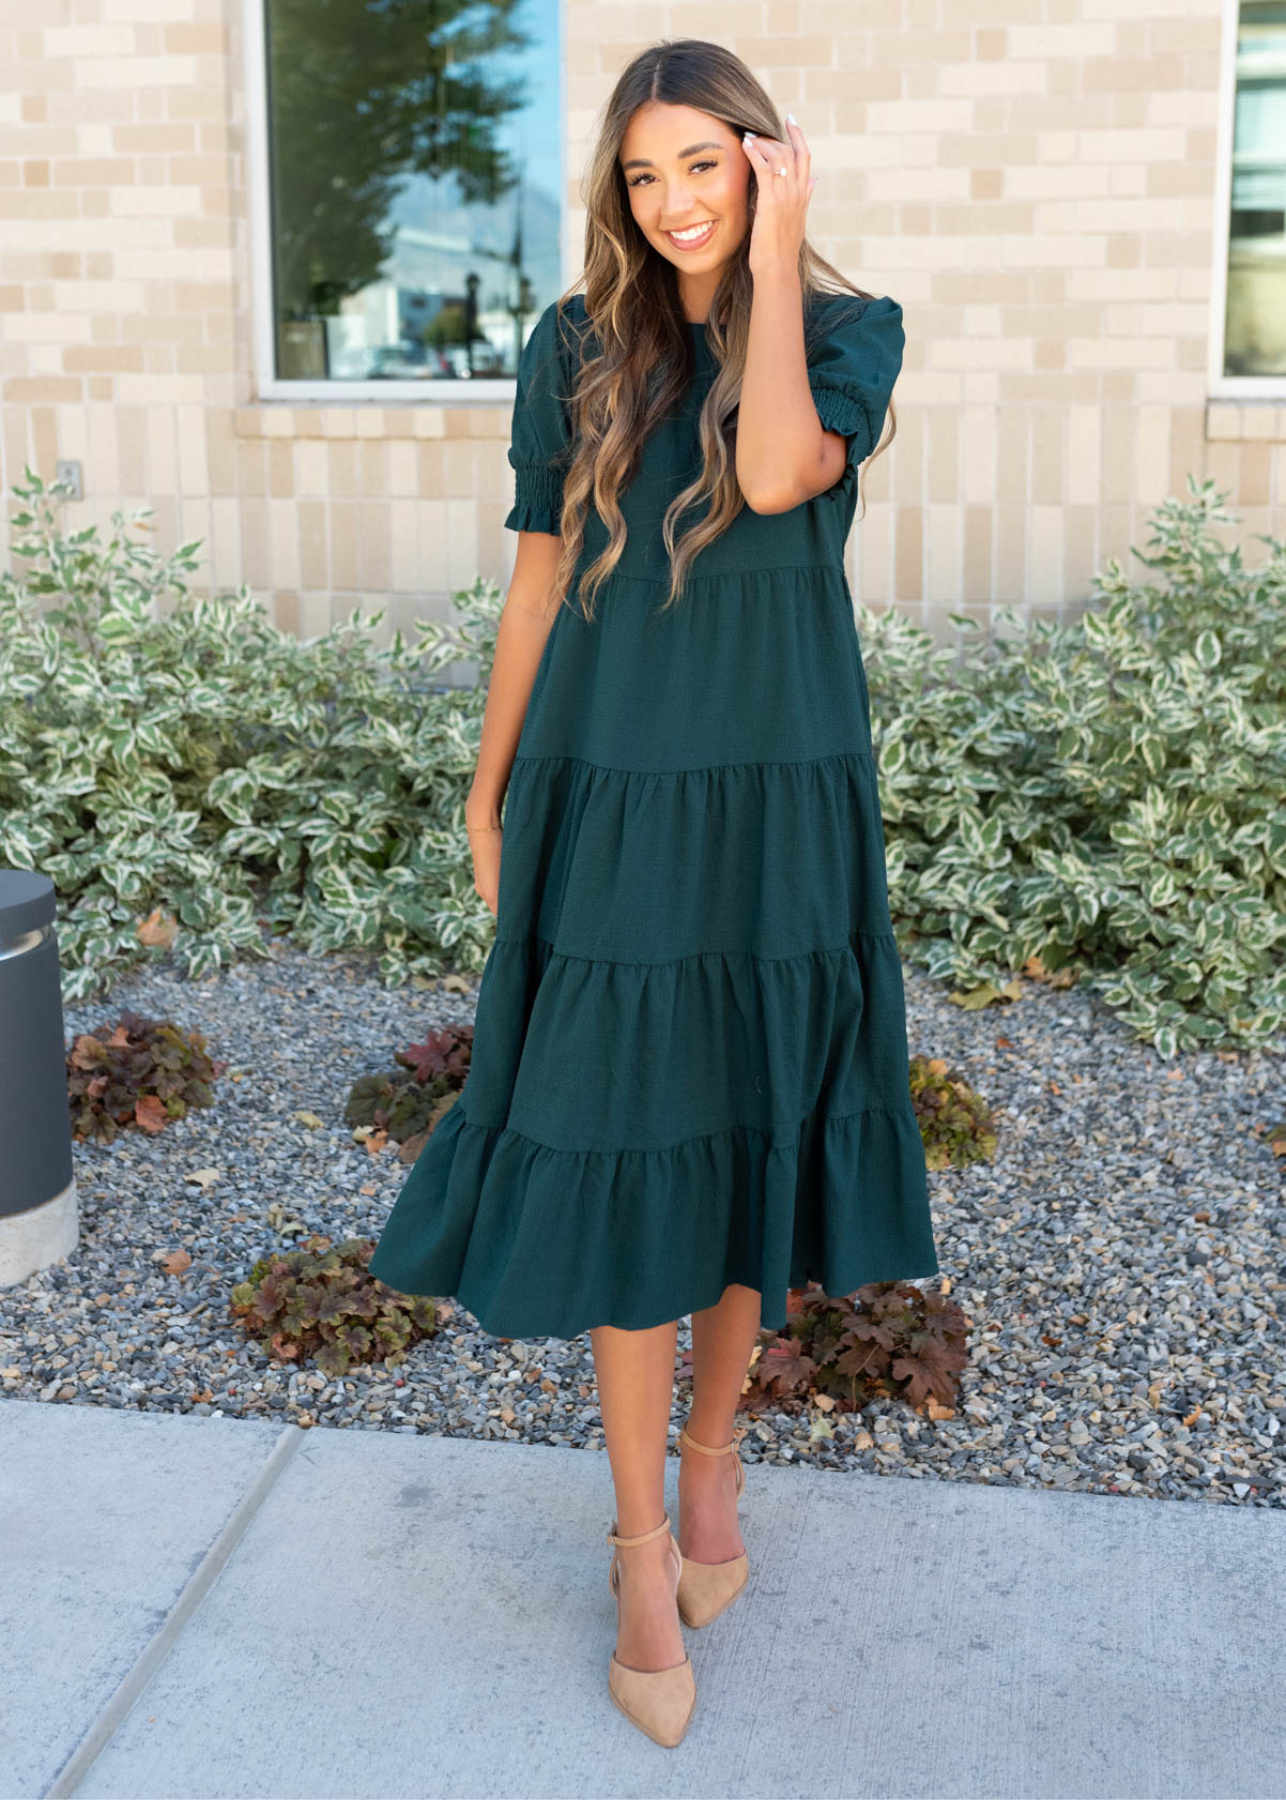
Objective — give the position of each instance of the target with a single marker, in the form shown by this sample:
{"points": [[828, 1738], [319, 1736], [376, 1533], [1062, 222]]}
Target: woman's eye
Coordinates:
{"points": [[640, 179]]}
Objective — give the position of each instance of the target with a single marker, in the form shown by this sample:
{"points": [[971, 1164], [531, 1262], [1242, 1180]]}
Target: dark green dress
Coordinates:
{"points": [[690, 1053]]}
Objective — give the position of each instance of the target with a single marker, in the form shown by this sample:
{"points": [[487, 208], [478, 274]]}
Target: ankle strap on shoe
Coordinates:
{"points": [[644, 1537], [686, 1437]]}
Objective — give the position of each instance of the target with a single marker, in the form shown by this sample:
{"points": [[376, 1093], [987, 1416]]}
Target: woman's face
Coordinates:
{"points": [[687, 173]]}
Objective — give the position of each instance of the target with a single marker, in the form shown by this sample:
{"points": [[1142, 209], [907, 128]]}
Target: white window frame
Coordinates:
{"points": [[1221, 386], [442, 391]]}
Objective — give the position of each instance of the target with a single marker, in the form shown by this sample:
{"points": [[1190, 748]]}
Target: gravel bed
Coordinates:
{"points": [[1122, 1259]]}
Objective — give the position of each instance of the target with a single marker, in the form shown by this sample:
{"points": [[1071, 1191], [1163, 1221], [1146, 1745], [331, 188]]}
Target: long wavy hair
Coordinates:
{"points": [[644, 358]]}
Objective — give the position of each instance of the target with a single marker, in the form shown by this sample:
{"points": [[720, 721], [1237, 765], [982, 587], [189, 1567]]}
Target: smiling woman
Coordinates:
{"points": [[689, 1090]]}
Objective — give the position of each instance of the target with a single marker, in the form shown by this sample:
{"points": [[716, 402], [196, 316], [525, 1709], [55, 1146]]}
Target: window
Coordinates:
{"points": [[411, 192], [1254, 326]]}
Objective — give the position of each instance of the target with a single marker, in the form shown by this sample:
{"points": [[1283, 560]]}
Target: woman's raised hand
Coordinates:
{"points": [[781, 201]]}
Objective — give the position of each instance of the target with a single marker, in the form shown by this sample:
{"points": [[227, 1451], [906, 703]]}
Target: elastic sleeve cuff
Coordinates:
{"points": [[538, 499], [842, 412]]}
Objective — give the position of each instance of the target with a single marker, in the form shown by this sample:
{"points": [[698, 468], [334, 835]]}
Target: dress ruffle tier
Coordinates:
{"points": [[688, 1070]]}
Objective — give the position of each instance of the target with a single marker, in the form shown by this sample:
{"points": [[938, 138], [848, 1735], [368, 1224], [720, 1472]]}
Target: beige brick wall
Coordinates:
{"points": [[1038, 194]]}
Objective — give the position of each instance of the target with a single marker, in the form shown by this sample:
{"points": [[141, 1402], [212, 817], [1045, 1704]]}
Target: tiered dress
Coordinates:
{"points": [[690, 1060]]}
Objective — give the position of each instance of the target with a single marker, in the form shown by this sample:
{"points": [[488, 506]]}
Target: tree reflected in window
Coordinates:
{"points": [[416, 182]]}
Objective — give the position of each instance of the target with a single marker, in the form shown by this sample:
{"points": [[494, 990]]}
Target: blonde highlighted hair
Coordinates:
{"points": [[642, 359]]}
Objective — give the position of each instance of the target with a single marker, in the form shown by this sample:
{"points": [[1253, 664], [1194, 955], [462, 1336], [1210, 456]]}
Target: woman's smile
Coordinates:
{"points": [[693, 237]]}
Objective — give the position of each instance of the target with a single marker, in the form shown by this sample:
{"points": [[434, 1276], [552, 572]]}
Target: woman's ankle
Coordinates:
{"points": [[715, 1431]]}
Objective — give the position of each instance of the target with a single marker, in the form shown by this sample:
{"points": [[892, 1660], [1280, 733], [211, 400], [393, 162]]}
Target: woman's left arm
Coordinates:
{"points": [[784, 454]]}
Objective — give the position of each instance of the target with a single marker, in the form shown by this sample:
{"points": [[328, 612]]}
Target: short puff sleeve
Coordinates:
{"points": [[540, 437], [853, 367]]}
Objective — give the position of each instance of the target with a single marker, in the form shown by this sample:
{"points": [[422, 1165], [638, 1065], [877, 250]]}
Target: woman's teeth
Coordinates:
{"points": [[693, 237]]}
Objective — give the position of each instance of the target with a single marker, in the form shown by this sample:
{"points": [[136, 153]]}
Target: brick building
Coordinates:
{"points": [[246, 280]]}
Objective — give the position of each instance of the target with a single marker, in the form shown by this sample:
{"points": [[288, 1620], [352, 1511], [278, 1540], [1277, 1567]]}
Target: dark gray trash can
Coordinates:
{"points": [[37, 1191]]}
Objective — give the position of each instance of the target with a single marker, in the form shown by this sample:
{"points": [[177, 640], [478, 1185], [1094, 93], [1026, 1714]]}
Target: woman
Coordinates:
{"points": [[689, 1085]]}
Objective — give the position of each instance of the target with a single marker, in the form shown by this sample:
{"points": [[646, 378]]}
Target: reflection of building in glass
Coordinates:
{"points": [[1255, 339]]}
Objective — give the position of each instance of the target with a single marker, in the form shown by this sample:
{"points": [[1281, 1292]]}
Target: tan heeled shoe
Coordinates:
{"points": [[707, 1589], [658, 1701]]}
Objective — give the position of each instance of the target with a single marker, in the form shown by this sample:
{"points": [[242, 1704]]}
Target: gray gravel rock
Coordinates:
{"points": [[1122, 1260]]}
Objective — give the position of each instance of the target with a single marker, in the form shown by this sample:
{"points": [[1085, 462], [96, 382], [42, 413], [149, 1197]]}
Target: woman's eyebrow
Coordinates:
{"points": [[640, 162]]}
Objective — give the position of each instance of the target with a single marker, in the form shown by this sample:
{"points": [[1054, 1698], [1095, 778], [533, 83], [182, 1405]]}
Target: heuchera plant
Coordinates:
{"points": [[955, 1121], [889, 1338], [406, 1103], [320, 1301], [141, 1072]]}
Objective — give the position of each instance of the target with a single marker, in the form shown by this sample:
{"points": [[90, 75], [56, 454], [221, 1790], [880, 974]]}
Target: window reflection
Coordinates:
{"points": [[1255, 338], [416, 182]]}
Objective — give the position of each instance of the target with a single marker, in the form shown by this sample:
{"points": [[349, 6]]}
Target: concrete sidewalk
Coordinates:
{"points": [[195, 1607]]}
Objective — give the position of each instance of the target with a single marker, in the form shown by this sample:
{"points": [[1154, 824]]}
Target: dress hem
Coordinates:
{"points": [[843, 1204], [843, 1287]]}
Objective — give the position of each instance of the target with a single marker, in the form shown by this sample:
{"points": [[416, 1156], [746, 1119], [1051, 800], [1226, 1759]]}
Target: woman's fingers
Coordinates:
{"points": [[770, 154]]}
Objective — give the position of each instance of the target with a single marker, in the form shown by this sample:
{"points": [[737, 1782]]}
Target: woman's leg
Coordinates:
{"points": [[635, 1371], [722, 1338]]}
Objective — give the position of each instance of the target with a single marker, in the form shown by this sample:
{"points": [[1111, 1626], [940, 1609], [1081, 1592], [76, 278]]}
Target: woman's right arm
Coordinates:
{"points": [[525, 622]]}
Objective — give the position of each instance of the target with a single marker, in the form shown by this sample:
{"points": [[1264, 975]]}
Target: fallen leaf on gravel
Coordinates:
{"points": [[368, 1188], [936, 1410], [974, 999], [453, 984], [203, 1178], [412, 1146], [175, 1262], [309, 1119], [375, 1142]]}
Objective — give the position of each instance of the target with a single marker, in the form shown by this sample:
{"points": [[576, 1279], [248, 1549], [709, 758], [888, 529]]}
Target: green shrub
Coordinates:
{"points": [[1104, 801], [204, 765], [1108, 797], [321, 1301], [955, 1121], [141, 1072]]}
